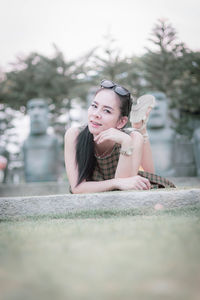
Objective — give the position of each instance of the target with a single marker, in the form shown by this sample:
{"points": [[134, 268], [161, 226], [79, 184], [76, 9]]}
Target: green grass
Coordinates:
{"points": [[134, 254]]}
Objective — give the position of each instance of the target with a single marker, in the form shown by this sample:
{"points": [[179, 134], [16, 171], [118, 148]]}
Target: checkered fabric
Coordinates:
{"points": [[106, 166], [156, 180]]}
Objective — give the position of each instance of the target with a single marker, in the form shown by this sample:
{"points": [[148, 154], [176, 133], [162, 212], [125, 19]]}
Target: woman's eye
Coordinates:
{"points": [[107, 111], [94, 105]]}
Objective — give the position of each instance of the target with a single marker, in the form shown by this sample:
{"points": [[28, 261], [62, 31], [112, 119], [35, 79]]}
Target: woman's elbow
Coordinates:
{"points": [[74, 190], [77, 189]]}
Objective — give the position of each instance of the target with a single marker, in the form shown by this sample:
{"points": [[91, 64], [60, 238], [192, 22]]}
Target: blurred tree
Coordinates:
{"points": [[9, 138], [185, 95], [135, 80], [40, 76], [173, 69], [161, 63], [111, 64]]}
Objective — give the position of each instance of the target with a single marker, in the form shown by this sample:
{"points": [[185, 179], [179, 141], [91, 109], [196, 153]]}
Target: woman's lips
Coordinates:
{"points": [[95, 124]]}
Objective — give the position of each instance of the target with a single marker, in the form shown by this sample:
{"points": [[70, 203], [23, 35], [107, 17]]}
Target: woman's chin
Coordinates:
{"points": [[94, 129]]}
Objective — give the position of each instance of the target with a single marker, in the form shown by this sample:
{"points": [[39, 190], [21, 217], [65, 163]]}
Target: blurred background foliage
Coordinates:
{"points": [[168, 66]]}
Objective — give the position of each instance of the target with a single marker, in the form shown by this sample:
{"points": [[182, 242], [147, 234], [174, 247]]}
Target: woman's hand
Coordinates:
{"points": [[114, 135], [133, 183]]}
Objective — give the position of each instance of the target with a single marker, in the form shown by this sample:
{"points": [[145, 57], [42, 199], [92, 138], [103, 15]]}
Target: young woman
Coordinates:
{"points": [[102, 156]]}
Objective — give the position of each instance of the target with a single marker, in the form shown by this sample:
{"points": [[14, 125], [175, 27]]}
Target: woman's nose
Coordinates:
{"points": [[97, 113]]}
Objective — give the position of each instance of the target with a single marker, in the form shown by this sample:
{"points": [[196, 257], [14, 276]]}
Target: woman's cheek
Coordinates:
{"points": [[89, 111]]}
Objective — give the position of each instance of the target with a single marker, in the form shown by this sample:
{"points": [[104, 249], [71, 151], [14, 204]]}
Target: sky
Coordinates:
{"points": [[77, 26]]}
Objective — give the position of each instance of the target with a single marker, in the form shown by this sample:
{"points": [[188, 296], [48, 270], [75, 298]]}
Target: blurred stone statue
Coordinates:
{"points": [[161, 136], [196, 138], [41, 150]]}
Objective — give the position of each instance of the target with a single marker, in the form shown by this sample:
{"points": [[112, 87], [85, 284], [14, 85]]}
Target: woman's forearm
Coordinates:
{"points": [[129, 165], [129, 183], [95, 186]]}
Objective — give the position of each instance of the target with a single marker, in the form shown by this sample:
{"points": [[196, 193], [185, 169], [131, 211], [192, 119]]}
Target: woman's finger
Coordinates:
{"points": [[142, 185], [146, 181], [102, 138]]}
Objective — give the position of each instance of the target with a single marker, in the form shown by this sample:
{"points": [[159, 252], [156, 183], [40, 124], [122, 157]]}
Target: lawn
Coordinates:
{"points": [[135, 254]]}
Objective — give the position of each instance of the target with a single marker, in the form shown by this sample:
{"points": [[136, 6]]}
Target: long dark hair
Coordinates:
{"points": [[85, 157]]}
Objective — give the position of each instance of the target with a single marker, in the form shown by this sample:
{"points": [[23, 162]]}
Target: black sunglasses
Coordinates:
{"points": [[120, 90]]}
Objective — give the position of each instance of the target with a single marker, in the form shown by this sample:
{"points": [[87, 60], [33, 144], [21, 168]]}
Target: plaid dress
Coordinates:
{"points": [[106, 167]]}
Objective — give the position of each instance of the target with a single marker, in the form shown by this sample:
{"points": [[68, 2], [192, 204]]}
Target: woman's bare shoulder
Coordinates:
{"points": [[72, 133]]}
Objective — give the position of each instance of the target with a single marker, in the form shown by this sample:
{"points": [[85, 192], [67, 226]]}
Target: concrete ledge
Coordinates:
{"points": [[60, 188], [33, 189], [118, 200]]}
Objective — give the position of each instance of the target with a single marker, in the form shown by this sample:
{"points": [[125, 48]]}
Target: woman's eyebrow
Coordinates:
{"points": [[106, 106]]}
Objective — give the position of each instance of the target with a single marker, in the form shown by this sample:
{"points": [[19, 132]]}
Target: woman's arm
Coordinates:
{"points": [[72, 170], [129, 165], [123, 184], [147, 158], [141, 156], [135, 182]]}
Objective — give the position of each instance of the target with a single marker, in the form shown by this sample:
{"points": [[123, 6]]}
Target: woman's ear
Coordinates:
{"points": [[122, 122]]}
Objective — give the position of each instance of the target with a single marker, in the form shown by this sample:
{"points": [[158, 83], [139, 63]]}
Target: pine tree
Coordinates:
{"points": [[174, 69]]}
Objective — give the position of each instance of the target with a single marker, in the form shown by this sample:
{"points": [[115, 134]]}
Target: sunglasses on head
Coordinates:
{"points": [[120, 90]]}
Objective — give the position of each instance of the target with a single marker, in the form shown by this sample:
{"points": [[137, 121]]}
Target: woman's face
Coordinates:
{"points": [[104, 112]]}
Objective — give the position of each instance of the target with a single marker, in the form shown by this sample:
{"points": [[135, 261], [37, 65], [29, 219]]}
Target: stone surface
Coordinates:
{"points": [[33, 189], [186, 182], [59, 188], [13, 207]]}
